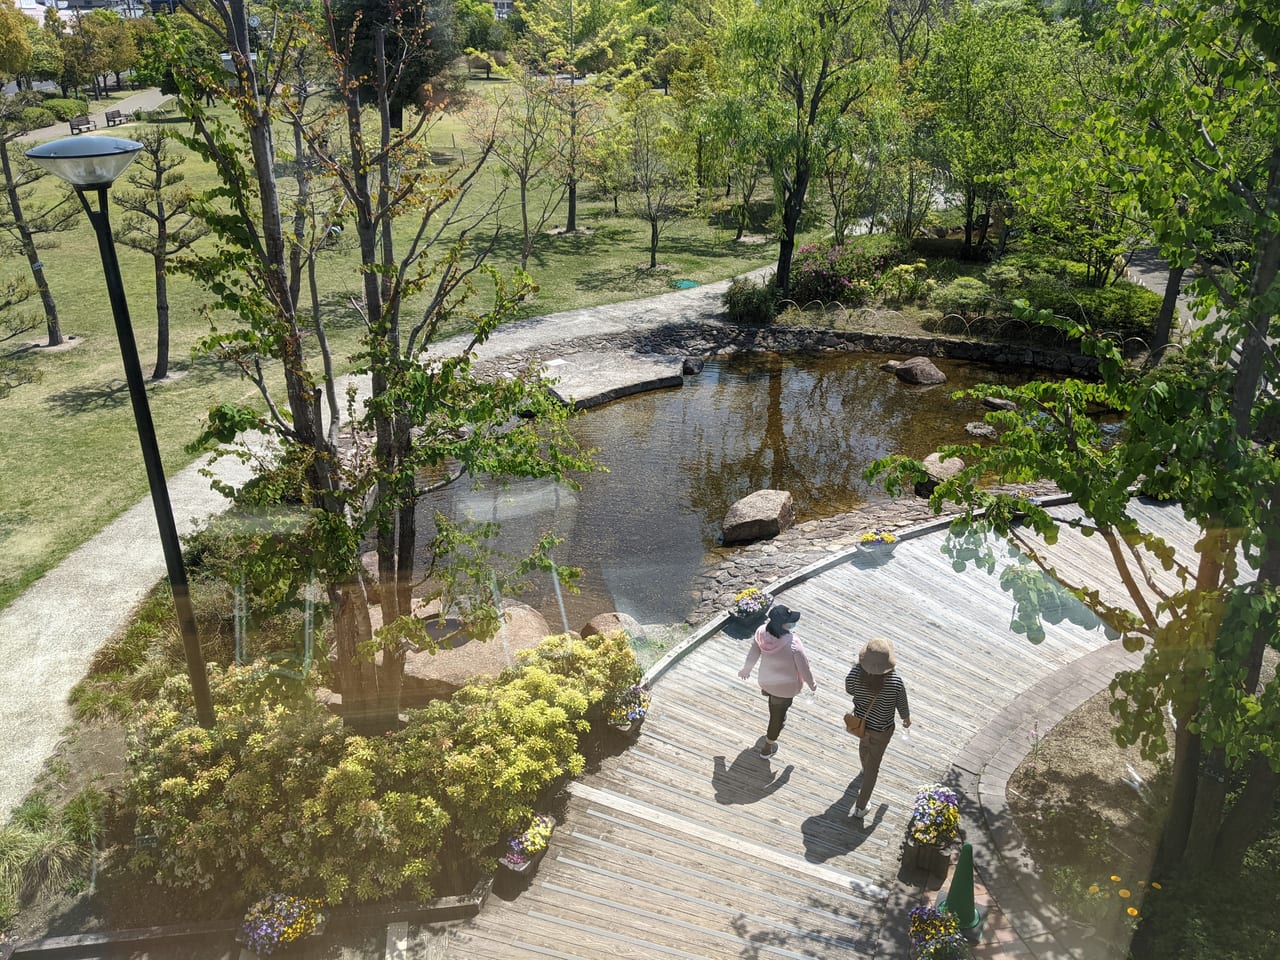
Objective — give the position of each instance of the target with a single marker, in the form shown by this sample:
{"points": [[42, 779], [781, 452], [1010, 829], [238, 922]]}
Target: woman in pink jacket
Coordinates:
{"points": [[784, 669]]}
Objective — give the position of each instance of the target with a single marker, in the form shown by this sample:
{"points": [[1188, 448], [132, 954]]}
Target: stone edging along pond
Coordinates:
{"points": [[710, 338]]}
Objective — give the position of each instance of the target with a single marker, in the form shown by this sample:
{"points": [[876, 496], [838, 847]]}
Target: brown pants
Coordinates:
{"points": [[871, 751]]}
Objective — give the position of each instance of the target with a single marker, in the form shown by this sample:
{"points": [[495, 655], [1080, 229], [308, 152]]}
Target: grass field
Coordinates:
{"points": [[68, 450]]}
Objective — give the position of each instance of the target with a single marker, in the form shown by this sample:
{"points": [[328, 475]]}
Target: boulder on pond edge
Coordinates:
{"points": [[758, 516], [938, 470], [614, 621]]}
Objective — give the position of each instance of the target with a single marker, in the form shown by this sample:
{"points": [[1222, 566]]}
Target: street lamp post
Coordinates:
{"points": [[91, 164]]}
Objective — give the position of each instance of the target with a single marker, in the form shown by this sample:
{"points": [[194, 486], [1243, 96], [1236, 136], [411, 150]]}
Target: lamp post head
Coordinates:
{"points": [[86, 161]]}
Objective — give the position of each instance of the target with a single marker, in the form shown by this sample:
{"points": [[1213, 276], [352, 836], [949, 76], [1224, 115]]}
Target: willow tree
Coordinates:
{"points": [[426, 419]]}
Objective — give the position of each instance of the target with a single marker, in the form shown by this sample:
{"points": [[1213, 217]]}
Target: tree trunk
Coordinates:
{"points": [[1186, 768], [526, 244], [653, 244], [571, 223], [1249, 817], [970, 204], [162, 318], [26, 240], [1206, 817]]}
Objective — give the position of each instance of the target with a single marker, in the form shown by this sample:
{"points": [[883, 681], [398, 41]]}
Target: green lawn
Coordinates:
{"points": [[68, 451]]}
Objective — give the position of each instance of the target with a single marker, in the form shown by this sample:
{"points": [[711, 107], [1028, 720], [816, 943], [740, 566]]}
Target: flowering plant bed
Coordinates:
{"points": [[935, 935], [278, 920], [935, 818], [750, 604], [872, 537], [525, 849], [630, 707]]}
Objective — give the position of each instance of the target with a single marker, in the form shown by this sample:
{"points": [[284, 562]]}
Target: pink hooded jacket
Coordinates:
{"points": [[784, 668]]}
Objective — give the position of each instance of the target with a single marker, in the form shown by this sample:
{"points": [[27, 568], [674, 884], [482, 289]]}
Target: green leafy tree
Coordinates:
{"points": [[984, 107], [804, 66], [159, 220], [580, 47], [14, 322], [1201, 430], [427, 415], [25, 216], [46, 47], [657, 182], [519, 127], [15, 41]]}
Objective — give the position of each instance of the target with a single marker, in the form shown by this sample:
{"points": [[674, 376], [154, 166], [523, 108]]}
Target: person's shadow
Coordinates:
{"points": [[748, 779], [835, 832]]}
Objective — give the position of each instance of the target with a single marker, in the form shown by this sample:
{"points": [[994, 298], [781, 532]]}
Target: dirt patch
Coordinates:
{"points": [[1090, 812]]}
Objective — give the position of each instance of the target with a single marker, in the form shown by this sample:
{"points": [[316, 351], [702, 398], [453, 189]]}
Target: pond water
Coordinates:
{"points": [[643, 532]]}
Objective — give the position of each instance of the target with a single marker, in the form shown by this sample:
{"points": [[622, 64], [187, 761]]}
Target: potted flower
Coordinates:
{"points": [[750, 605], [935, 935], [278, 920], [629, 709], [524, 850], [934, 825], [873, 538]]}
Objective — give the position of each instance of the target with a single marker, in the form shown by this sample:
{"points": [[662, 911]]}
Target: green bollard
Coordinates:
{"points": [[959, 899]]}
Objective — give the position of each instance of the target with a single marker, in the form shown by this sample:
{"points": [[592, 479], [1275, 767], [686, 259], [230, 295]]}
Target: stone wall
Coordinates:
{"points": [[709, 339]]}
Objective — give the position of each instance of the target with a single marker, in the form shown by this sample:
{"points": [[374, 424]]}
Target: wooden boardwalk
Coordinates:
{"points": [[690, 845]]}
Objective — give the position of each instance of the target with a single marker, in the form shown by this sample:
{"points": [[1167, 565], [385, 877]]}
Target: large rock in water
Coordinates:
{"points": [[758, 516], [438, 676], [614, 621], [919, 370], [938, 470]]}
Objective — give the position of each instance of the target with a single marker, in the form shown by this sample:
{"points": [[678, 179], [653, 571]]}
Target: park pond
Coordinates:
{"points": [[644, 529]]}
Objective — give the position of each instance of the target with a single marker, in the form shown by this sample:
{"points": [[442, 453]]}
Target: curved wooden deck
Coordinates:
{"points": [[690, 845]]}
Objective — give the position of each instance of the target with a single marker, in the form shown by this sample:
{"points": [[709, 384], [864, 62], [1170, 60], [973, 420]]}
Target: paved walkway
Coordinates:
{"points": [[148, 99]]}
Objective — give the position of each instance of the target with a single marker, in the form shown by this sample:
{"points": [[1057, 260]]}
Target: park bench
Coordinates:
{"points": [[114, 117], [81, 123]]}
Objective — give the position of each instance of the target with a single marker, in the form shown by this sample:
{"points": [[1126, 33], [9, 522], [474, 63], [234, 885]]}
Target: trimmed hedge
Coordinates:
{"points": [[65, 109]]}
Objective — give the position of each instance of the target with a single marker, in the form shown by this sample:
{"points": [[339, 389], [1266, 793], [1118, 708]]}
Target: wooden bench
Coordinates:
{"points": [[114, 117], [81, 123]]}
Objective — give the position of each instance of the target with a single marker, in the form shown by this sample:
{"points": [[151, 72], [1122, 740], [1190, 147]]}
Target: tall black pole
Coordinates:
{"points": [[151, 457]]}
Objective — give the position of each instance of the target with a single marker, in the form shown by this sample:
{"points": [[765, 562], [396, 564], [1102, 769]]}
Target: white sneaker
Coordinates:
{"points": [[859, 812]]}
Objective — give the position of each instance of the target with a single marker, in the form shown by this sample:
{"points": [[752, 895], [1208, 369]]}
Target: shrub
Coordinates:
{"points": [[33, 118], [749, 302], [275, 796], [1003, 278], [848, 274], [907, 282], [966, 296], [65, 109], [1122, 308]]}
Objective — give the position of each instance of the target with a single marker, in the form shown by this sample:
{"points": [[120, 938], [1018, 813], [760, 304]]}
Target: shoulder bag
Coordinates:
{"points": [[858, 725]]}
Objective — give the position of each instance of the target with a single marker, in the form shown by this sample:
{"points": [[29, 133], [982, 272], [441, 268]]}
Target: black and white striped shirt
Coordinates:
{"points": [[893, 696]]}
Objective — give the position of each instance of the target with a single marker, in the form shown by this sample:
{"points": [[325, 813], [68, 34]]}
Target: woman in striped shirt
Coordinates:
{"points": [[877, 692]]}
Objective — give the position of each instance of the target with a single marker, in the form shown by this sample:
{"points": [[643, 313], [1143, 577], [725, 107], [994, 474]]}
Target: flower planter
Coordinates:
{"points": [[631, 730], [748, 621], [927, 857], [523, 865]]}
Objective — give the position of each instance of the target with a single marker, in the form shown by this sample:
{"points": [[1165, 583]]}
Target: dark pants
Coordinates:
{"points": [[778, 707], [871, 751]]}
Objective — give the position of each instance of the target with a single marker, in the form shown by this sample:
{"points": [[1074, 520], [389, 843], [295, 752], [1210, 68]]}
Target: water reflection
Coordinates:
{"points": [[645, 530]]}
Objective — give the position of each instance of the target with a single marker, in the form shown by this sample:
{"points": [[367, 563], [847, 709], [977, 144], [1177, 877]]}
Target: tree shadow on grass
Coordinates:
{"points": [[88, 398]]}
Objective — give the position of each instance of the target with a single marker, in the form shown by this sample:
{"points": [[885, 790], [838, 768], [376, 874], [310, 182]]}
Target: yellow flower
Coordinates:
{"points": [[1114, 878], [1132, 911], [1093, 888], [1124, 893], [1156, 886]]}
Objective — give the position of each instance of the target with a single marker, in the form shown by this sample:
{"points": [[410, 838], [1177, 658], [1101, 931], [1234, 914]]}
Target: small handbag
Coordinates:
{"points": [[858, 725]]}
